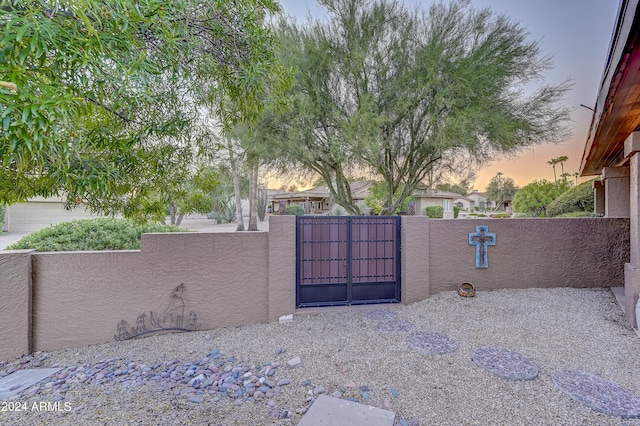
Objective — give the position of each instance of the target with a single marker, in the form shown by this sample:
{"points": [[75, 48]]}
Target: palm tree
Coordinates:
{"points": [[553, 163], [561, 160]]}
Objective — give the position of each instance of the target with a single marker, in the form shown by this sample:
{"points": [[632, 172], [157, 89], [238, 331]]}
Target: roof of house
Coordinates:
{"points": [[434, 193], [359, 190], [617, 112]]}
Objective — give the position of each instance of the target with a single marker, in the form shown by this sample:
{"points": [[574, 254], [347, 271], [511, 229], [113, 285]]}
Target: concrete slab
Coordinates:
{"points": [[329, 411], [14, 383]]}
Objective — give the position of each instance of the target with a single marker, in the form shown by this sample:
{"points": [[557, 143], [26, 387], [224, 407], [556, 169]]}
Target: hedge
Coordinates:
{"points": [[577, 199]]}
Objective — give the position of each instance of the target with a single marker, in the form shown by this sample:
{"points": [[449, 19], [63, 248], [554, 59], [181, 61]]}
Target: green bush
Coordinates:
{"points": [[434, 212], [90, 234], [295, 210], [576, 199], [477, 215], [500, 215], [456, 211], [579, 214]]}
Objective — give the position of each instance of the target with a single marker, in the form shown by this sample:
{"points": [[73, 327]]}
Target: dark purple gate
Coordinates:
{"points": [[347, 260]]}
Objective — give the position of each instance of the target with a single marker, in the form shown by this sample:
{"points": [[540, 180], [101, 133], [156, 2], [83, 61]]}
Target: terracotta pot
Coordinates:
{"points": [[466, 289]]}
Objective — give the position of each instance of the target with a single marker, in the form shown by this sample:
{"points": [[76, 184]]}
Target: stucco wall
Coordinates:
{"points": [[237, 278], [586, 252], [282, 266], [15, 303], [80, 298], [414, 259]]}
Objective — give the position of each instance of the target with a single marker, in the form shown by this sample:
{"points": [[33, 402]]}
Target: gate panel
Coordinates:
{"points": [[347, 260]]}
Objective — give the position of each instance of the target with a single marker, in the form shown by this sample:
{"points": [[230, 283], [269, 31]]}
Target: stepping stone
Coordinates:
{"points": [[16, 382], [506, 363], [431, 343], [380, 315], [327, 411], [396, 326], [597, 393]]}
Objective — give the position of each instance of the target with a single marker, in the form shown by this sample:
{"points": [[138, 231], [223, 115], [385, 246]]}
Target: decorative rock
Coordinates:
{"points": [[506, 363], [431, 343], [286, 319], [337, 394], [597, 393], [381, 315], [319, 390], [294, 362], [394, 392], [396, 326], [196, 399], [283, 382]]}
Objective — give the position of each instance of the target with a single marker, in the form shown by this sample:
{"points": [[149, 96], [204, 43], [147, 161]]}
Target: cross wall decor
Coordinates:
{"points": [[482, 239]]}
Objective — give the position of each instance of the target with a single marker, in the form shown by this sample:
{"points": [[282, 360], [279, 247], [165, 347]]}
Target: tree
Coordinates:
{"points": [[534, 198], [501, 188], [562, 159], [553, 163], [401, 93], [94, 85], [463, 187]]}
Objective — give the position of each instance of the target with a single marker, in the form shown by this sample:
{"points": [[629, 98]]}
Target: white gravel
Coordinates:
{"points": [[581, 329]]}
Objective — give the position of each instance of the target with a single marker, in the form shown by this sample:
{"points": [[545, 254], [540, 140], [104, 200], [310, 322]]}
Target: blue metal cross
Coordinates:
{"points": [[482, 239]]}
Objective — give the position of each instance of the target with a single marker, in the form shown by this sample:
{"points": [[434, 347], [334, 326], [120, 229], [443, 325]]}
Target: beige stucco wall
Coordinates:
{"points": [[616, 189], [239, 278], [581, 252], [414, 234], [79, 298], [282, 266], [15, 303]]}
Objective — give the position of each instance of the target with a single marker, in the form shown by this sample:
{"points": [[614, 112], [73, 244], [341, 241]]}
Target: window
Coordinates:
{"points": [[448, 205]]}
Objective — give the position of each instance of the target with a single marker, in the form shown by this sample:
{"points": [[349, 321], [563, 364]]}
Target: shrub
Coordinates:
{"points": [[576, 199], [477, 215], [434, 212], [90, 234], [579, 214], [500, 215], [295, 210], [456, 211]]}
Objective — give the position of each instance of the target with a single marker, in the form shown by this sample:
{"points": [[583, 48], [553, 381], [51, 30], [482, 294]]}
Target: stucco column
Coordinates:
{"points": [[598, 197], [632, 269], [15, 303], [616, 190]]}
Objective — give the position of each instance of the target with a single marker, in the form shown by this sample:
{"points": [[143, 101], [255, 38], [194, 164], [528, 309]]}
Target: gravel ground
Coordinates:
{"points": [[348, 353]]}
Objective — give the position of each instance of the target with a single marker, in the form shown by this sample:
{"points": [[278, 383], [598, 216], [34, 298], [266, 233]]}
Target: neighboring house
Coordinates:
{"points": [[39, 213], [465, 203], [612, 149], [432, 197], [479, 199], [318, 200]]}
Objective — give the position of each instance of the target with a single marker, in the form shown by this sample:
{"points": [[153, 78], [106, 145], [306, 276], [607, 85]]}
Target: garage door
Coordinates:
{"points": [[34, 215]]}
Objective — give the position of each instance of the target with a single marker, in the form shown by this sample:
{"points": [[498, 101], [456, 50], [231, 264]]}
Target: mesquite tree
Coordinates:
{"points": [[399, 92]]}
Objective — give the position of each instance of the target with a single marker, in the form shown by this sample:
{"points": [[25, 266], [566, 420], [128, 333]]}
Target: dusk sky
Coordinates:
{"points": [[576, 33]]}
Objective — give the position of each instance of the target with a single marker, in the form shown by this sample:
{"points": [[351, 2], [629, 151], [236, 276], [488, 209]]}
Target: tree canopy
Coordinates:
{"points": [[501, 188], [402, 93], [102, 99], [535, 198]]}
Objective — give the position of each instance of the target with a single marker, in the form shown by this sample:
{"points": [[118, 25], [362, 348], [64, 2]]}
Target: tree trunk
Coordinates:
{"points": [[179, 219], [253, 195], [236, 186], [172, 212]]}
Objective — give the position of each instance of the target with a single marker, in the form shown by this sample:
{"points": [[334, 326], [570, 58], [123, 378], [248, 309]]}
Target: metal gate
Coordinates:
{"points": [[345, 260]]}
